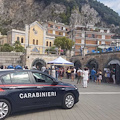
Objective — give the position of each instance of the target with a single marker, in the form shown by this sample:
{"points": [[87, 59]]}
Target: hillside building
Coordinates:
{"points": [[56, 29], [40, 36], [90, 38]]}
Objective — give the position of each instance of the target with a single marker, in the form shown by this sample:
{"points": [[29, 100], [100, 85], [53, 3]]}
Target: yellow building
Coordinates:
{"points": [[34, 36], [3, 39]]}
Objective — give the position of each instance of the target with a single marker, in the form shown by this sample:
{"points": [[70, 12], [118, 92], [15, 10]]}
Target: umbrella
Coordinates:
{"points": [[18, 67], [10, 67]]}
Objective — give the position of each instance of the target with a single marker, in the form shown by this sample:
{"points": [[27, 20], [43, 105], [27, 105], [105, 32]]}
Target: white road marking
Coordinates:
{"points": [[99, 93]]}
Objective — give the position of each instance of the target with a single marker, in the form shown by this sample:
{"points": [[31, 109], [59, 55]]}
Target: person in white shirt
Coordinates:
{"points": [[85, 77], [74, 72], [43, 68]]}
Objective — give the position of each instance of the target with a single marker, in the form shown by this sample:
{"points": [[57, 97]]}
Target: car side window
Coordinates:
{"points": [[6, 78], [20, 77], [39, 77]]}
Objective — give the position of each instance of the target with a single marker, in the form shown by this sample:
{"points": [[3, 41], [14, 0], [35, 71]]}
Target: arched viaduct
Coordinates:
{"points": [[99, 61]]}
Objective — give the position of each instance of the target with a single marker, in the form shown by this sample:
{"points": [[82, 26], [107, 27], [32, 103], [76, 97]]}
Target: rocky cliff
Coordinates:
{"points": [[17, 13]]}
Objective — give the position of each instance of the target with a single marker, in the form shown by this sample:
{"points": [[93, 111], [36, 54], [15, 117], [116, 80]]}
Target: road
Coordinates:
{"points": [[97, 102]]}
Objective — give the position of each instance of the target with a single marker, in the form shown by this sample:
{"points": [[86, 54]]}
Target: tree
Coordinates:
{"points": [[51, 50], [6, 48], [64, 43], [18, 47]]}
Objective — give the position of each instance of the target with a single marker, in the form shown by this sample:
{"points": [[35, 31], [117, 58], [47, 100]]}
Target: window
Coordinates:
{"points": [[6, 79], [17, 38], [33, 42], [36, 42], [47, 43], [42, 78], [20, 77], [50, 44], [21, 40]]}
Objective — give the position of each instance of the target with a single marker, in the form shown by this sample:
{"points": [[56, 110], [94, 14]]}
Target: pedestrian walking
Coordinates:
{"points": [[85, 77], [79, 75]]}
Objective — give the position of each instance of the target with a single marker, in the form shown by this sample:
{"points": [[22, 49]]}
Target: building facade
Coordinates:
{"points": [[90, 38], [3, 39], [16, 35], [56, 29]]}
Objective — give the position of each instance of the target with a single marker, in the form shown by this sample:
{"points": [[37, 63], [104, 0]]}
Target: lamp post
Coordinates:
{"points": [[85, 36]]}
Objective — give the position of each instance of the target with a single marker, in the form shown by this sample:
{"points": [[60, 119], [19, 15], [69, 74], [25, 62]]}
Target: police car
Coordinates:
{"points": [[28, 89]]}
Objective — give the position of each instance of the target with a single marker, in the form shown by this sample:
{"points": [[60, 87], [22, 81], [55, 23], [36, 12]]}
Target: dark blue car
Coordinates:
{"points": [[28, 89]]}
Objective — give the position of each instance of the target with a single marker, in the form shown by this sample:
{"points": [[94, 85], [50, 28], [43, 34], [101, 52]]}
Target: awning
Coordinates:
{"points": [[61, 61]]}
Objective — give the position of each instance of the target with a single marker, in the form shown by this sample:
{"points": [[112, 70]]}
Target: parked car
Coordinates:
{"points": [[28, 89]]}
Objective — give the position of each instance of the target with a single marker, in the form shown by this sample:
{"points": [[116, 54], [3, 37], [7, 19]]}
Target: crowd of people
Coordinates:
{"points": [[82, 75]]}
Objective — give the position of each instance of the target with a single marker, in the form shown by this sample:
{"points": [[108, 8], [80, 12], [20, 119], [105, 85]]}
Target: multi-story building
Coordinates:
{"points": [[34, 36], [90, 37], [56, 29], [16, 35], [3, 39]]}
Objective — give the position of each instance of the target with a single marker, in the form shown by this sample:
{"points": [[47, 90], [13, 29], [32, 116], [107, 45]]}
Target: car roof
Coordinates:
{"points": [[5, 71]]}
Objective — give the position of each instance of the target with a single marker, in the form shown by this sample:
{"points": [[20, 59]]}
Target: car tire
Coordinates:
{"points": [[5, 109], [68, 101]]}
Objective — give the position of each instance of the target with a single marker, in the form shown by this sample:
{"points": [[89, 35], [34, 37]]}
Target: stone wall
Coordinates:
{"points": [[11, 58], [102, 59]]}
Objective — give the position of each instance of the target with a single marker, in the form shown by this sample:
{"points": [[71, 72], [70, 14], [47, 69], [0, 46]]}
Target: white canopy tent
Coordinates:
{"points": [[61, 61]]}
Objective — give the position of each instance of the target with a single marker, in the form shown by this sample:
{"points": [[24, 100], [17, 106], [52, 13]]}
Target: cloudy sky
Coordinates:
{"points": [[114, 4]]}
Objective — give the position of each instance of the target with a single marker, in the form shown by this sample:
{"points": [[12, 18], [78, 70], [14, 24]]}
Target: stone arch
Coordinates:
{"points": [[92, 63], [77, 64], [114, 63], [39, 62]]}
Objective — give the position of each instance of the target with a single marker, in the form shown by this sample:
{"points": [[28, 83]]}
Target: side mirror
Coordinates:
{"points": [[54, 83]]}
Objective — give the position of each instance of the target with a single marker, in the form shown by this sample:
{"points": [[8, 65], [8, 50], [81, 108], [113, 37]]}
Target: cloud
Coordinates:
{"points": [[113, 4]]}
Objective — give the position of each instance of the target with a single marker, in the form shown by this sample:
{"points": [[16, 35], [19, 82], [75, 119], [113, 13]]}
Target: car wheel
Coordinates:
{"points": [[68, 101], [5, 108]]}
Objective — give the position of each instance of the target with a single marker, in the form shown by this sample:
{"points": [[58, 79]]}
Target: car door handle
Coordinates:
{"points": [[12, 87], [39, 86]]}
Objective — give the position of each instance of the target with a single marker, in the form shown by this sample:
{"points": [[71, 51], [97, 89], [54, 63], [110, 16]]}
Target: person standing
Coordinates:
{"points": [[72, 74], [57, 70], [93, 75], [113, 75], [53, 72], [61, 73], [99, 77], [85, 77], [43, 68], [79, 75], [107, 75], [69, 72]]}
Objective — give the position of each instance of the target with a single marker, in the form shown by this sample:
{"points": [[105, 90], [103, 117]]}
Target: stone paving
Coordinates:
{"points": [[97, 102]]}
